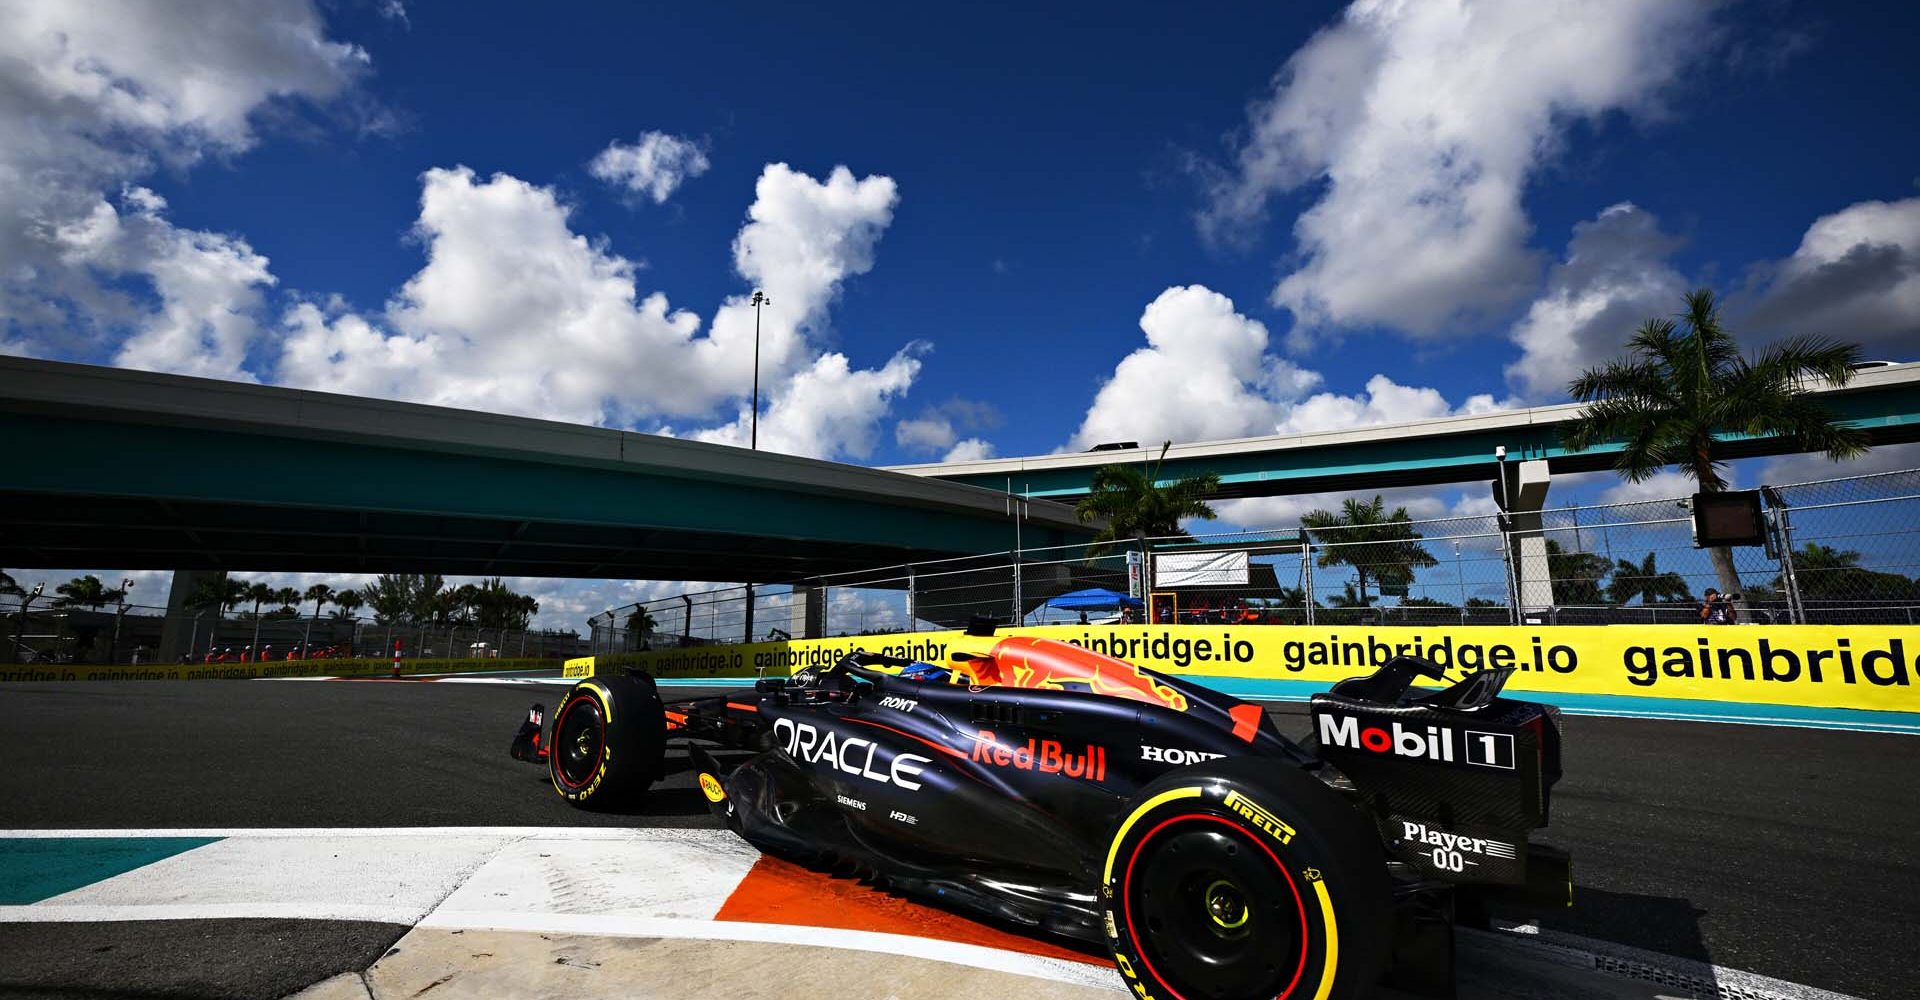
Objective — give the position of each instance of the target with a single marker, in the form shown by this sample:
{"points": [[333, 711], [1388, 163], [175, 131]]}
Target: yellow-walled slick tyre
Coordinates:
{"points": [[608, 736], [1239, 878]]}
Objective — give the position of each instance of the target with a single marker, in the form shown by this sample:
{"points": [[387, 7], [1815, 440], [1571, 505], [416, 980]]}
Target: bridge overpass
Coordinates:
{"points": [[134, 470], [1884, 402]]}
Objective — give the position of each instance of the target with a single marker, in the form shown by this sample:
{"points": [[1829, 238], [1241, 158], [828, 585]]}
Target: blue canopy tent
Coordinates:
{"points": [[1093, 599]]}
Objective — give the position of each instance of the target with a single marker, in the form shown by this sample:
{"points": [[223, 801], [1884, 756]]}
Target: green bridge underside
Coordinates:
{"points": [[105, 468], [1889, 415], [132, 470], [86, 493]]}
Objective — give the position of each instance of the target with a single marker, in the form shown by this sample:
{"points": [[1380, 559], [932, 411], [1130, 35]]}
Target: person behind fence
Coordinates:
{"points": [[1717, 608]]}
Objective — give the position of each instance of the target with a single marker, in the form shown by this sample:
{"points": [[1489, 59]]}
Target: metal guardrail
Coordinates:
{"points": [[1839, 551]]}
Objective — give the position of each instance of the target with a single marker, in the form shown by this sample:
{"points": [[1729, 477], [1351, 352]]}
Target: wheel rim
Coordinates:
{"points": [[1213, 911], [579, 742]]}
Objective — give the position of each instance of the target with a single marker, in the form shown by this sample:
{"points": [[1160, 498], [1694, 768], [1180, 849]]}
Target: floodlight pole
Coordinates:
{"points": [[120, 613], [753, 440]]}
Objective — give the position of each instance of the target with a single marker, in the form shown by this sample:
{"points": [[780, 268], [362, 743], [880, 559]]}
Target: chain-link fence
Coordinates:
{"points": [[40, 632], [1836, 552]]}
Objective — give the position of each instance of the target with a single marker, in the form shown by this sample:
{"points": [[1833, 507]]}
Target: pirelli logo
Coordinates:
{"points": [[1259, 817]]}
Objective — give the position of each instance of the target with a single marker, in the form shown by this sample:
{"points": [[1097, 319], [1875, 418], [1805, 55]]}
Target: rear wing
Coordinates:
{"points": [[1455, 779]]}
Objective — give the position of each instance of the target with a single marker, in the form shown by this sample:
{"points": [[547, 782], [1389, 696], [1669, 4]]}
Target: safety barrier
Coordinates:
{"points": [[359, 667], [1868, 668]]}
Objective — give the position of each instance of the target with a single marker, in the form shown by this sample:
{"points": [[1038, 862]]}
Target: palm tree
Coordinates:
{"points": [[1684, 386], [86, 592], [258, 593], [1135, 505], [1576, 575], [1376, 544], [219, 594], [390, 596], [1827, 574], [427, 602], [9, 587], [319, 594], [465, 600], [641, 620], [1646, 581], [495, 605], [346, 602]]}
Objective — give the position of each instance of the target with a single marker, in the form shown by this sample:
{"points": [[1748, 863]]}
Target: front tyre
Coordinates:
{"points": [[1244, 878], [608, 737]]}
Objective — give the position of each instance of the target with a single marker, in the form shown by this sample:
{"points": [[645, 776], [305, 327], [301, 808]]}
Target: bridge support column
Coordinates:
{"points": [[176, 631], [1522, 496], [813, 612], [746, 633]]}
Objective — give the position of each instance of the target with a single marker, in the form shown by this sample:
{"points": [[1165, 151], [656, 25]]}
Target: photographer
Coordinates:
{"points": [[1718, 609]]}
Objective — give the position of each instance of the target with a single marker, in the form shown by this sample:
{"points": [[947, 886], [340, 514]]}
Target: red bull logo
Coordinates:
{"points": [[1044, 756], [1047, 664]]}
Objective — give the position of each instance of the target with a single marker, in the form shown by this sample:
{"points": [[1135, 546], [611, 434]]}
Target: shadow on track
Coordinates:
{"points": [[1665, 924]]}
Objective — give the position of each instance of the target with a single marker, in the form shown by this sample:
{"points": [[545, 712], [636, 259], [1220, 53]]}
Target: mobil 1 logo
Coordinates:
{"points": [[1488, 749], [1418, 740]]}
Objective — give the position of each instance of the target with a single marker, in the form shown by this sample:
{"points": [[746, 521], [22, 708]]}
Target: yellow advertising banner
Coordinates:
{"points": [[577, 667], [1855, 667]]}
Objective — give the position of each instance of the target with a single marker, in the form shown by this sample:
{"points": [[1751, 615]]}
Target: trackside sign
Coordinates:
{"points": [[1818, 666], [1852, 667]]}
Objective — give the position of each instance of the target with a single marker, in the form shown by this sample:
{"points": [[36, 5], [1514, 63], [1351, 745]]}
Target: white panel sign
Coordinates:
{"points": [[1173, 570]]}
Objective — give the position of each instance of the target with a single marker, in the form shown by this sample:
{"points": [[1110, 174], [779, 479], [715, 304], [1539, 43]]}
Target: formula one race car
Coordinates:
{"points": [[1059, 789]]}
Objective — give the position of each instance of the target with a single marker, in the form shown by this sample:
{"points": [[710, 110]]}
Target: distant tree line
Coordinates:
{"points": [[393, 599]]}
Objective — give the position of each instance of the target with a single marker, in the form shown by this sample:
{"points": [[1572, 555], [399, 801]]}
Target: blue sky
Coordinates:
{"points": [[1327, 214]]}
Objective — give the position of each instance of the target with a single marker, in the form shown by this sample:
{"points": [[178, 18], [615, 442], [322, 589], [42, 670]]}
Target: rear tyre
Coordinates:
{"points": [[608, 737], [1244, 878]]}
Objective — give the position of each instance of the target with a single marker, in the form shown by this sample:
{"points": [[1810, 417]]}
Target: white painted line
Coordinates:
{"points": [[974, 956]]}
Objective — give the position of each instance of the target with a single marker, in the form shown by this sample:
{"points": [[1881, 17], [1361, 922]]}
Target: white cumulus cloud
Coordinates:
{"points": [[93, 98], [515, 312], [655, 166], [1423, 503], [1854, 277], [1206, 374], [945, 428], [969, 450], [1614, 278], [1384, 401], [827, 409], [207, 285], [1423, 122]]}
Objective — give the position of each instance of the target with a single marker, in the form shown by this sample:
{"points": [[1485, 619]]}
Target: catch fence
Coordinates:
{"points": [[132, 633], [1839, 551]]}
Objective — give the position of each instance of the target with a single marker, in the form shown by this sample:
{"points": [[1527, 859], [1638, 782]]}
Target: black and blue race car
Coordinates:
{"points": [[1054, 788]]}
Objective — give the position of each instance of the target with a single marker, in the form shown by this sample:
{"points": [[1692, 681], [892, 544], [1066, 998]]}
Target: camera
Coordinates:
{"points": [[1726, 597]]}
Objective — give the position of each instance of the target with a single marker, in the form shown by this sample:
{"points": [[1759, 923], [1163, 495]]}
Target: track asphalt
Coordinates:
{"points": [[1794, 853]]}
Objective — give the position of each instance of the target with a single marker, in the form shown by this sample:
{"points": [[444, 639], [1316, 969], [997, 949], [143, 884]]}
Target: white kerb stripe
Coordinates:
{"points": [[973, 956]]}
